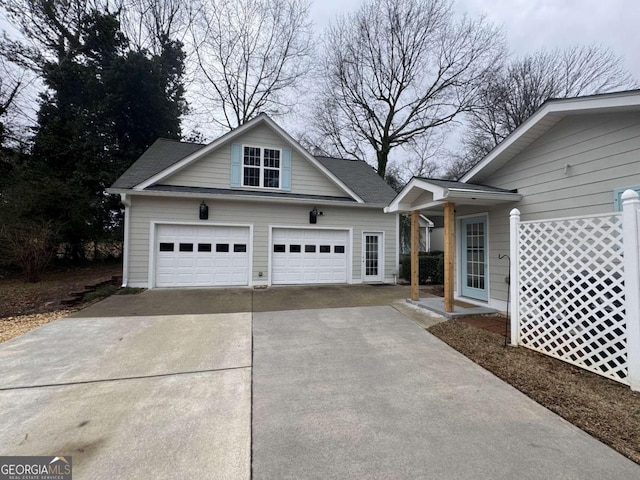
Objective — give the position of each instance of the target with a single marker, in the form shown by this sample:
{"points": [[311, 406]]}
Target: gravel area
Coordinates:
{"points": [[603, 408], [11, 327]]}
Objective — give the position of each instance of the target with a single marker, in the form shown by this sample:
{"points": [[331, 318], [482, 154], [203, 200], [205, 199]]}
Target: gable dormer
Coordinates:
{"points": [[259, 158]]}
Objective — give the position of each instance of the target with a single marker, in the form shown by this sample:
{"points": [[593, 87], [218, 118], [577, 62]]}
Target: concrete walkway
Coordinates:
{"points": [[365, 393]]}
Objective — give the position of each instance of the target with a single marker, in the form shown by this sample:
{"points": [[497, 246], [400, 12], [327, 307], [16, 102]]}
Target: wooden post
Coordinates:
{"points": [[415, 246], [449, 242]]}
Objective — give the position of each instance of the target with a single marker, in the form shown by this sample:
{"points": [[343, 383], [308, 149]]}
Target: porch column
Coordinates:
{"points": [[415, 246], [449, 237]]}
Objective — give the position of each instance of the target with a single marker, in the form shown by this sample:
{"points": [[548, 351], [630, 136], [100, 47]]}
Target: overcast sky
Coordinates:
{"points": [[531, 24]]}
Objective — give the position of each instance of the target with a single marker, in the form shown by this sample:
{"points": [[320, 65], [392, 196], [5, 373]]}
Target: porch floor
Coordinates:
{"points": [[460, 309]]}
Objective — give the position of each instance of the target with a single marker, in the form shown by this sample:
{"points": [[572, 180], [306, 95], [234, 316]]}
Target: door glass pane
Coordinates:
{"points": [[371, 255], [475, 255]]}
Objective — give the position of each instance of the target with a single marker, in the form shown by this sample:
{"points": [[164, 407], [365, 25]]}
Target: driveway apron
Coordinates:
{"points": [[365, 393], [132, 397]]}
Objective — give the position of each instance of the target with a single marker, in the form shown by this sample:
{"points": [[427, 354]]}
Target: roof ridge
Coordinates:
{"points": [[165, 139]]}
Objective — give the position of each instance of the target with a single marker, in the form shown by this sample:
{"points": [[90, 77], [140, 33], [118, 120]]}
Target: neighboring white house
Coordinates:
{"points": [[254, 208], [572, 157]]}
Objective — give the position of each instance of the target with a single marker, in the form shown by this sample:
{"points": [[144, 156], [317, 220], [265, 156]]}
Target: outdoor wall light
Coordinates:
{"points": [[204, 211], [313, 215]]}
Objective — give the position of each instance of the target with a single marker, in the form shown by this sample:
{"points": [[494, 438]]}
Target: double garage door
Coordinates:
{"points": [[202, 256]]}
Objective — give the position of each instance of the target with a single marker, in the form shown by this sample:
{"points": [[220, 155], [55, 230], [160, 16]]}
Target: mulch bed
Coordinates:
{"points": [[603, 408]]}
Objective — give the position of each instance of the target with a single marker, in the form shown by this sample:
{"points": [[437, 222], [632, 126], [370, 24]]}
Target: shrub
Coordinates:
{"points": [[102, 292], [430, 268]]}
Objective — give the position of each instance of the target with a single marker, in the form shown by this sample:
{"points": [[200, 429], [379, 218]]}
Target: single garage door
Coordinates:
{"points": [[309, 256], [201, 256]]}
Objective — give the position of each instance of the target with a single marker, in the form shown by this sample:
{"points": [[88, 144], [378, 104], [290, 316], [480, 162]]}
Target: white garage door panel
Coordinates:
{"points": [[203, 261], [309, 256]]}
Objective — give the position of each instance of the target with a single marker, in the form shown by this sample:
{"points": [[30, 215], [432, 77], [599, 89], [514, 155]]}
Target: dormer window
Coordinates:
{"points": [[261, 167]]}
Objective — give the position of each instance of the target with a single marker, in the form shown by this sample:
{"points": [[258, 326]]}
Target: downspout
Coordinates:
{"points": [[126, 201]]}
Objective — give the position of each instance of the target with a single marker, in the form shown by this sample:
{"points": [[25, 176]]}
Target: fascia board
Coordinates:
{"points": [[242, 198], [629, 100]]}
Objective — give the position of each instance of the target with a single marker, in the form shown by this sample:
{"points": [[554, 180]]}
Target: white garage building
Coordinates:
{"points": [[254, 208]]}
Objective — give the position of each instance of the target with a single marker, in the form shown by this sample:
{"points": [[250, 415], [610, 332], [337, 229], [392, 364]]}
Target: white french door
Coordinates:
{"points": [[372, 261]]}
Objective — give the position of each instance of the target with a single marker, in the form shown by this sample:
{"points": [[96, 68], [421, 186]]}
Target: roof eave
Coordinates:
{"points": [[243, 198], [561, 108]]}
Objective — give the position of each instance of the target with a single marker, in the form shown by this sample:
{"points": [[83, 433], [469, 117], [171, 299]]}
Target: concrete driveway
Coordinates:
{"points": [[143, 397], [358, 392]]}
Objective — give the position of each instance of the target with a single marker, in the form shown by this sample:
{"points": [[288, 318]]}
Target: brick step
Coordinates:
{"points": [[71, 301]]}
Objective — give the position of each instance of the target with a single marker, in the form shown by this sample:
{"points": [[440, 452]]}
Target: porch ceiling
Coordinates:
{"points": [[430, 195]]}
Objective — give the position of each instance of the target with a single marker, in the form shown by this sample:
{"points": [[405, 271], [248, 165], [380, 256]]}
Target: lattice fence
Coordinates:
{"points": [[571, 292]]}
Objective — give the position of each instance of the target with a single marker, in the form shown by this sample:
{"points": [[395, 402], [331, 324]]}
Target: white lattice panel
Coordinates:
{"points": [[571, 292]]}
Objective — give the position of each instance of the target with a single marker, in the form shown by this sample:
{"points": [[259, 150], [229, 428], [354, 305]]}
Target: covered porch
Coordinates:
{"points": [[432, 197]]}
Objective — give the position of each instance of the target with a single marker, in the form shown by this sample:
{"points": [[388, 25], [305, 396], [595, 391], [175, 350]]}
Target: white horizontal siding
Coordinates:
{"points": [[214, 170], [145, 210], [603, 152]]}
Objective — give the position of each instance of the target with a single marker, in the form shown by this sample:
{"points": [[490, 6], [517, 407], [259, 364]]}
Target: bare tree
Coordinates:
{"points": [[396, 69], [524, 84], [250, 54], [150, 24]]}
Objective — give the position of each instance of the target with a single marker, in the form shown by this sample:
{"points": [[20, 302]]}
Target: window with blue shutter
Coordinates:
{"points": [[617, 196], [260, 167], [286, 169], [236, 165]]}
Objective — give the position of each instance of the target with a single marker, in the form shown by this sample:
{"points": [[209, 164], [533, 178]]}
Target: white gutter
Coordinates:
{"points": [[242, 198]]}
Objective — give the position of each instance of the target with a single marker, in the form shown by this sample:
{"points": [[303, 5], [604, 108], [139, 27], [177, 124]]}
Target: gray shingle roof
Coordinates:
{"points": [[360, 177], [355, 174], [160, 155]]}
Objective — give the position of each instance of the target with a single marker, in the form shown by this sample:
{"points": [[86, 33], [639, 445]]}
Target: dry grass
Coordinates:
{"points": [[603, 408]]}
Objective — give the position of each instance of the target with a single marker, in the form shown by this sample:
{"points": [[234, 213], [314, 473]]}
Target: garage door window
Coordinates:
{"points": [[295, 248], [166, 247], [222, 247], [240, 248], [309, 248], [279, 248], [325, 248], [338, 249], [186, 247], [204, 247]]}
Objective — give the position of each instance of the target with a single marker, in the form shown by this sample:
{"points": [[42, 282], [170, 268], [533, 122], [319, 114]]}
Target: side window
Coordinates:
{"points": [[617, 196]]}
